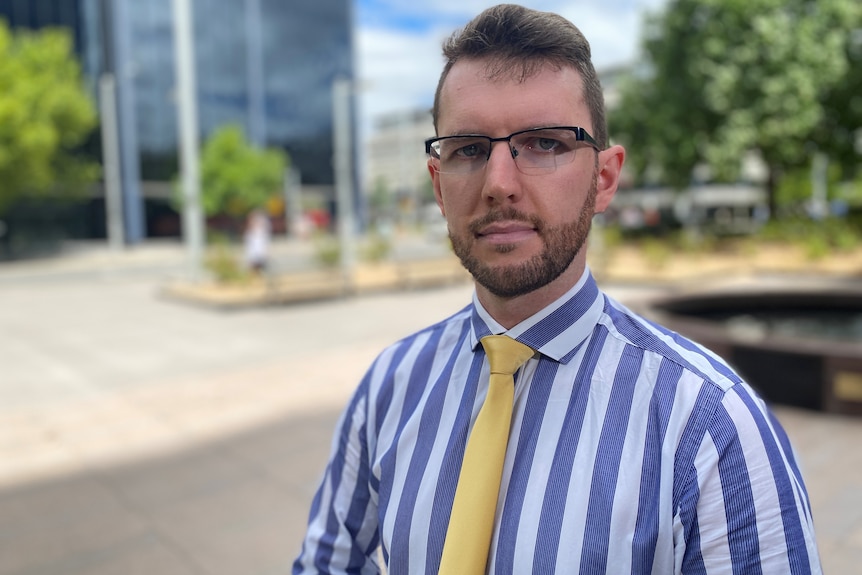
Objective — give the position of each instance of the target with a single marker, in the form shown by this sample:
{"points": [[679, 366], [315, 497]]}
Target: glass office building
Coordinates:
{"points": [[267, 65]]}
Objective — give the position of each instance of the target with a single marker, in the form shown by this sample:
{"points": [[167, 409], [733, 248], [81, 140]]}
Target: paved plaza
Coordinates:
{"points": [[145, 436]]}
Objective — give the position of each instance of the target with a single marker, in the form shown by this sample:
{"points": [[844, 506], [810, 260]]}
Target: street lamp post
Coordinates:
{"points": [[341, 91], [254, 67], [193, 220], [111, 163]]}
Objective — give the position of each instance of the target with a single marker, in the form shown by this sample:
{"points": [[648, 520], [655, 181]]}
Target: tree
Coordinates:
{"points": [[840, 132], [45, 116], [237, 177], [725, 77]]}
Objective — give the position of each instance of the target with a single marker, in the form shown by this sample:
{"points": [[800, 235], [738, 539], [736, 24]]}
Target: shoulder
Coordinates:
{"points": [[662, 344], [704, 394], [418, 347], [455, 323]]}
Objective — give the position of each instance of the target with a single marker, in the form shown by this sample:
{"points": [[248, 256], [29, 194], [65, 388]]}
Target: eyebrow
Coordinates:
{"points": [[477, 133]]}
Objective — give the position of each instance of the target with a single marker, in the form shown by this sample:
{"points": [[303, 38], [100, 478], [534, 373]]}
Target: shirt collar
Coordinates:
{"points": [[556, 331]]}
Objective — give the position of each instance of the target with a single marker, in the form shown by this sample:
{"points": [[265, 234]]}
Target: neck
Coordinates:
{"points": [[510, 311]]}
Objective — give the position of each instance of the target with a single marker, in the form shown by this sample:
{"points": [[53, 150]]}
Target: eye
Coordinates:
{"points": [[547, 144], [542, 145], [555, 142], [468, 151], [469, 148]]}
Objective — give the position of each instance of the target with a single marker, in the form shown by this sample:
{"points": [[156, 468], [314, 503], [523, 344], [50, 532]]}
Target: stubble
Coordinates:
{"points": [[561, 244]]}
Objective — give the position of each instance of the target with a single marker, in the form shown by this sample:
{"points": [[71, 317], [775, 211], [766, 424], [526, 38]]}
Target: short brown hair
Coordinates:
{"points": [[512, 37]]}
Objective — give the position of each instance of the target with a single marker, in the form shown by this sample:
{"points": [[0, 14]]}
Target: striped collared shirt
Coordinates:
{"points": [[632, 450]]}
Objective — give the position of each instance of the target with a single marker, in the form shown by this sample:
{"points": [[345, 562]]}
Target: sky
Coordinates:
{"points": [[398, 43]]}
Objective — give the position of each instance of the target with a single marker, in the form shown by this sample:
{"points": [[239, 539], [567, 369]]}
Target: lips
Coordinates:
{"points": [[506, 232]]}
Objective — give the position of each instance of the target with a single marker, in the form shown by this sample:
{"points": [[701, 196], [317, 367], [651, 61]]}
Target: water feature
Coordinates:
{"points": [[800, 347], [833, 324]]}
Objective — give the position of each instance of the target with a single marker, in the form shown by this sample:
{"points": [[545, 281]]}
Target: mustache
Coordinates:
{"points": [[507, 214]]}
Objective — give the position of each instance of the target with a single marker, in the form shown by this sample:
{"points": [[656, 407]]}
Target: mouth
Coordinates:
{"points": [[506, 232]]}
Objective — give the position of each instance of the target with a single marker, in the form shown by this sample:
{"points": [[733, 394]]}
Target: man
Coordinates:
{"points": [[630, 450]]}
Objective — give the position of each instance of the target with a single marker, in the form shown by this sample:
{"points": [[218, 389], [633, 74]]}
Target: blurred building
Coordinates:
{"points": [[396, 162], [267, 65]]}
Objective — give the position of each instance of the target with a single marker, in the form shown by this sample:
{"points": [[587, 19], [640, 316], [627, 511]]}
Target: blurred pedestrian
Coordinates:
{"points": [[256, 240]]}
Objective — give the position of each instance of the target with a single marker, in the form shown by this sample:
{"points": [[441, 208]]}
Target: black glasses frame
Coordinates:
{"points": [[581, 135]]}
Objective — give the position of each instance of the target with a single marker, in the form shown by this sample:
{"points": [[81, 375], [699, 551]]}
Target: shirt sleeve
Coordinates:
{"points": [[746, 508], [342, 535]]}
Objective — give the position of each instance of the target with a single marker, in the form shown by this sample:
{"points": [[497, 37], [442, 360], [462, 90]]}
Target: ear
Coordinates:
{"points": [[610, 168], [435, 181]]}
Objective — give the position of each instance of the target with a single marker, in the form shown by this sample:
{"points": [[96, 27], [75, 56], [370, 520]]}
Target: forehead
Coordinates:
{"points": [[471, 100]]}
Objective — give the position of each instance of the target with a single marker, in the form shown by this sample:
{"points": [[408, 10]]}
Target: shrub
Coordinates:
{"points": [[376, 248], [327, 250], [224, 264], [656, 252]]}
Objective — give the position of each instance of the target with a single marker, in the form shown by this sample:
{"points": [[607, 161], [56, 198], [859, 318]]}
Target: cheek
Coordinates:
{"points": [[455, 202], [560, 203], [566, 202]]}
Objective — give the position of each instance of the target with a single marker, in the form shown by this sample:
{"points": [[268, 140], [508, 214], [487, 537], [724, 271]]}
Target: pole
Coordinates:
{"points": [[193, 220], [122, 58], [292, 202], [111, 164], [819, 168], [254, 67], [341, 89]]}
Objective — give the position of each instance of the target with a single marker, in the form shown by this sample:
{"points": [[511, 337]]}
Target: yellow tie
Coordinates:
{"points": [[468, 538]]}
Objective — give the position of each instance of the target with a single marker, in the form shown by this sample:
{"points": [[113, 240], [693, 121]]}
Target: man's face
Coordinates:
{"points": [[516, 232]]}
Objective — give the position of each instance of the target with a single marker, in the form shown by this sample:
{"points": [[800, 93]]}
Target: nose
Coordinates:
{"points": [[501, 174], [509, 146]]}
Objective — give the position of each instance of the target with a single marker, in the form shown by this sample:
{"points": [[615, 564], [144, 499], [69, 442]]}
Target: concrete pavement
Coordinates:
{"points": [[145, 436]]}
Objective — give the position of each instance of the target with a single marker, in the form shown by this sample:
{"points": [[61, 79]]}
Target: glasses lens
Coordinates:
{"points": [[540, 151], [462, 154]]}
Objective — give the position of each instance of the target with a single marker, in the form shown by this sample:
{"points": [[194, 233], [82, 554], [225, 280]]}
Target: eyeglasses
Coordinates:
{"points": [[535, 151]]}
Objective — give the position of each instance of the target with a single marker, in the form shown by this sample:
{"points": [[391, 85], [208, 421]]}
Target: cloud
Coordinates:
{"points": [[398, 70], [398, 44]]}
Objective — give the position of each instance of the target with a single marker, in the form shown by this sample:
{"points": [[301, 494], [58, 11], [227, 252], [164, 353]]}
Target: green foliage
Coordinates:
{"points": [[851, 191], [689, 242], [45, 115], [223, 261], [380, 201], [426, 192], [817, 237], [724, 77], [842, 103], [816, 247], [795, 187], [844, 238], [224, 265], [375, 248], [327, 249], [237, 177], [656, 251], [611, 236]]}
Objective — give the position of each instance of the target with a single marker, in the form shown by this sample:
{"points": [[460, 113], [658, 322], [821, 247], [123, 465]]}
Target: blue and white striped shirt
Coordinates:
{"points": [[632, 450]]}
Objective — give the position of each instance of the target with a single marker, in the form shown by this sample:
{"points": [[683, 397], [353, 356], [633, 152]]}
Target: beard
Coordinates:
{"points": [[561, 244]]}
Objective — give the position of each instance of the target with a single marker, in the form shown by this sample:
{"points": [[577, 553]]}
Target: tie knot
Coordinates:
{"points": [[505, 354]]}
